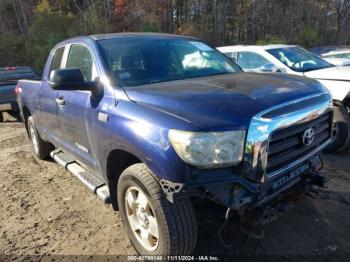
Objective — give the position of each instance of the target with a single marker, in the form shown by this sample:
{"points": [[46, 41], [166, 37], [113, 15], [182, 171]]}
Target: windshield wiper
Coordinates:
{"points": [[184, 77], [221, 73], [153, 81]]}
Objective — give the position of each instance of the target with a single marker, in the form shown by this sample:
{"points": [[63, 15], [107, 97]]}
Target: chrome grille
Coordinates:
{"points": [[286, 145]]}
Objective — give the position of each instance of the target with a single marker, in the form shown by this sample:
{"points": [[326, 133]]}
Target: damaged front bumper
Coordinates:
{"points": [[240, 193], [277, 160]]}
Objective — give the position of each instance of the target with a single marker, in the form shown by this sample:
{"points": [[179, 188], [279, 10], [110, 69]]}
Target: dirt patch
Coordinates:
{"points": [[45, 210]]}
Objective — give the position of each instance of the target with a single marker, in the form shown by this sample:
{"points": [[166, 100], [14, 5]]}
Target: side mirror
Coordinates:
{"points": [[70, 80], [269, 68]]}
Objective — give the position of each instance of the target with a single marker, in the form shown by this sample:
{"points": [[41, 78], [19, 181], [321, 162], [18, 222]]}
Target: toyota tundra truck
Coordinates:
{"points": [[153, 122]]}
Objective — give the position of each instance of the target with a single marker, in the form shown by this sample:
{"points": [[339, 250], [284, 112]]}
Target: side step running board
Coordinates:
{"points": [[90, 180]]}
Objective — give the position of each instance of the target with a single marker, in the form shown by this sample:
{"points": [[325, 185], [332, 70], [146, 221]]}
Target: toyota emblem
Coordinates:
{"points": [[308, 137]]}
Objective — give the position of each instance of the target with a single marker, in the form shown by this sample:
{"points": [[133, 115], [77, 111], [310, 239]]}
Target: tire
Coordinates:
{"points": [[341, 140], [176, 223], [1, 117], [40, 148]]}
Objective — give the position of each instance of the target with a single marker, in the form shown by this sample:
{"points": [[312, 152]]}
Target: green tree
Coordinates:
{"points": [[309, 36], [92, 21], [271, 41], [49, 28], [11, 50]]}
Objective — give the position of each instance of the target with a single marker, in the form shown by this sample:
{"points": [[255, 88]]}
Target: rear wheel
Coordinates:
{"points": [[154, 225], [1, 117], [341, 136], [40, 148]]}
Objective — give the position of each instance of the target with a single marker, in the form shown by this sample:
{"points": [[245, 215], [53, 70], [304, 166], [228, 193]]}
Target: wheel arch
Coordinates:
{"points": [[117, 161], [26, 114]]}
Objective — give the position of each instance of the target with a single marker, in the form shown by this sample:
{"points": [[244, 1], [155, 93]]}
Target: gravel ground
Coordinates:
{"points": [[45, 210]]}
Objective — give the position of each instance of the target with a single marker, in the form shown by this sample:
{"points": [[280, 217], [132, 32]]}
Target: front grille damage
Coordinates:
{"points": [[286, 145]]}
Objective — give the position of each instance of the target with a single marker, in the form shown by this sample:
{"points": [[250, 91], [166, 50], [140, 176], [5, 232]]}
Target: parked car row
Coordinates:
{"points": [[339, 57], [294, 60], [336, 55], [8, 81], [152, 122], [322, 50]]}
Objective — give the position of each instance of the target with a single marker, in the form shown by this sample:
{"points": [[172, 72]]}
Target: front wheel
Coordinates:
{"points": [[154, 225], [40, 148], [341, 136]]}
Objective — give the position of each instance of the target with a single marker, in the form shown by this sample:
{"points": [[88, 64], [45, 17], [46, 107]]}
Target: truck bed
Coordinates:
{"points": [[29, 94]]}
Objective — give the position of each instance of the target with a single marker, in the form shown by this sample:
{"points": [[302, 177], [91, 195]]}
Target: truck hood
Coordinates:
{"points": [[338, 73], [223, 102]]}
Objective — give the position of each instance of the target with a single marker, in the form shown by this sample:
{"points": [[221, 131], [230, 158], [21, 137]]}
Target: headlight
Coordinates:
{"points": [[207, 150]]}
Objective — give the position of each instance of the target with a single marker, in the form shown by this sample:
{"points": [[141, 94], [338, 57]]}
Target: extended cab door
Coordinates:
{"points": [[75, 108], [47, 104]]}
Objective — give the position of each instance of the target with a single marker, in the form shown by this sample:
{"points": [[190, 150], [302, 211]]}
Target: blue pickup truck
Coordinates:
{"points": [[152, 122], [8, 81]]}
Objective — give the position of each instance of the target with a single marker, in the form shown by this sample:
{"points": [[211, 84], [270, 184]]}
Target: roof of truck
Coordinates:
{"points": [[117, 35], [135, 34]]}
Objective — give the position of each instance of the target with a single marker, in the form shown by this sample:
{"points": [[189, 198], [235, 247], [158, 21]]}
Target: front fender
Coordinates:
{"points": [[143, 132]]}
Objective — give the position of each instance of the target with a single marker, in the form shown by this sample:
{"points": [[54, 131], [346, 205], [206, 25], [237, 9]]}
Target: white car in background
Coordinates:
{"points": [[338, 57], [337, 61], [292, 59]]}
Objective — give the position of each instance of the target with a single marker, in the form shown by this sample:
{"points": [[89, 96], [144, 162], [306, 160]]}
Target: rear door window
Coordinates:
{"points": [[79, 57], [57, 59]]}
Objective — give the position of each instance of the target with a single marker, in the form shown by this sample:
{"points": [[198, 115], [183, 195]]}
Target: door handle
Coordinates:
{"points": [[60, 101]]}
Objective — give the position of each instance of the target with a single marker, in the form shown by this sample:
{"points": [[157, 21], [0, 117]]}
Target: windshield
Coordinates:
{"points": [[12, 74], [140, 60], [338, 55], [299, 59]]}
